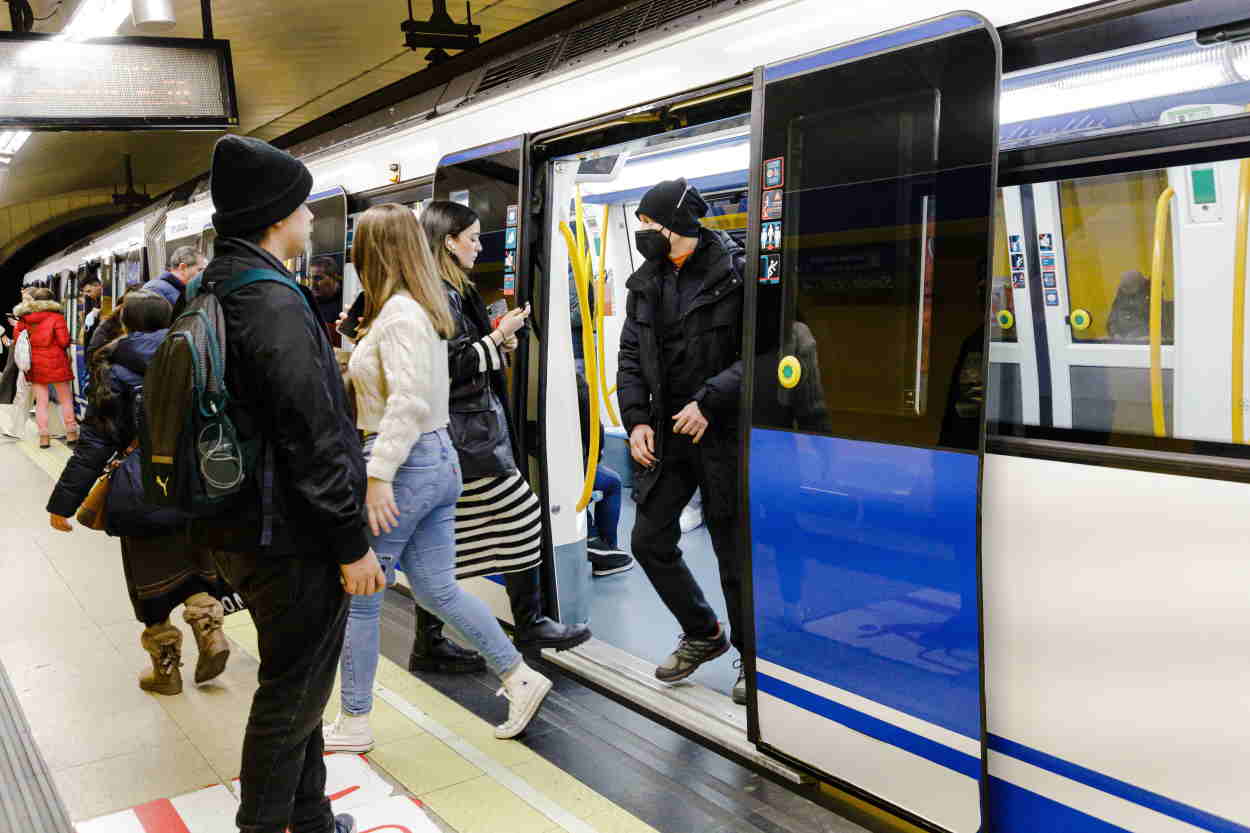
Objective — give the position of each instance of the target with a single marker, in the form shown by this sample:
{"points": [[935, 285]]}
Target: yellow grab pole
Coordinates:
{"points": [[581, 280], [600, 288], [1239, 300], [1156, 312]]}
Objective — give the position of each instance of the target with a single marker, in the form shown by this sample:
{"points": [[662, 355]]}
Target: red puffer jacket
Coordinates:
{"points": [[49, 337]]}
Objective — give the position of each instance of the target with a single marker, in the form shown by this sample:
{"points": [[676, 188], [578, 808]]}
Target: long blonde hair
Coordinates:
{"points": [[391, 252]]}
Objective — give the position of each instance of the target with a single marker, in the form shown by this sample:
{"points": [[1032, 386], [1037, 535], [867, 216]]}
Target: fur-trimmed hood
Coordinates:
{"points": [[27, 307]]}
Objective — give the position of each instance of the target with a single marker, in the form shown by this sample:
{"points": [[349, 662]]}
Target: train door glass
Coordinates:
{"points": [[321, 267], [623, 608], [866, 385]]}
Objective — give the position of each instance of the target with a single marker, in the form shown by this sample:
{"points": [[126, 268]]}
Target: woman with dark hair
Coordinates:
{"points": [[164, 568], [498, 516], [108, 329], [44, 320]]}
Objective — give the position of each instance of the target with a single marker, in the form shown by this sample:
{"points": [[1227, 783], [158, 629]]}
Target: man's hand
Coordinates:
{"points": [[363, 577], [59, 523], [642, 445], [690, 420]]}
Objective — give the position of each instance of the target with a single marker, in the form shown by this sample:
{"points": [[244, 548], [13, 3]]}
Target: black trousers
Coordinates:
{"points": [[657, 532], [300, 611]]}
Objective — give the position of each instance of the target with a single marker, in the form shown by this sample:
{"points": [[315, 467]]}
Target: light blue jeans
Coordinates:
{"points": [[423, 545]]}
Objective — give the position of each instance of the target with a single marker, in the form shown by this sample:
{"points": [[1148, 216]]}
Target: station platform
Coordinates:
{"points": [[126, 761]]}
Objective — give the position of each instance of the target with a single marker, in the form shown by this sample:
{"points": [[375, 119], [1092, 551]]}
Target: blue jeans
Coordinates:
{"points": [[423, 545], [607, 510]]}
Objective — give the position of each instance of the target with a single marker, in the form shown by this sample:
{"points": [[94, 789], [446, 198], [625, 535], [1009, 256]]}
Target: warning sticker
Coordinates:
{"points": [[512, 215], [1017, 280], [1045, 242], [1014, 244], [774, 173], [509, 240], [1017, 262], [1048, 261], [1052, 297], [1048, 280], [770, 269], [771, 209], [770, 237]]}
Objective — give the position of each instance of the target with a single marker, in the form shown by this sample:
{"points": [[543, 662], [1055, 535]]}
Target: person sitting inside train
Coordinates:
{"points": [[1129, 319], [678, 382], [184, 264]]}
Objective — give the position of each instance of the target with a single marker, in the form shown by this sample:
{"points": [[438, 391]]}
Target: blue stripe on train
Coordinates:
{"points": [[873, 727], [1013, 809], [1113, 786]]}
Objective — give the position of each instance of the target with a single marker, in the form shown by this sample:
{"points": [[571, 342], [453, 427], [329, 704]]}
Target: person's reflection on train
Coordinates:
{"points": [[327, 289], [498, 517], [1129, 319], [678, 382], [399, 371]]}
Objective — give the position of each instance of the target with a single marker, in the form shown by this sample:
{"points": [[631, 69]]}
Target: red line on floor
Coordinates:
{"points": [[160, 816], [342, 793], [416, 801]]}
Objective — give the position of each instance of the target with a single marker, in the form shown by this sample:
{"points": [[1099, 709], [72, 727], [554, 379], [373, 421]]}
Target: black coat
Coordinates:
{"points": [[286, 388], [480, 421], [108, 429], [713, 361]]}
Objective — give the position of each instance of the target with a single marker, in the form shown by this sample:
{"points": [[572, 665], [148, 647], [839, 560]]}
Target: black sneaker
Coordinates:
{"points": [[344, 823], [690, 654], [606, 560]]}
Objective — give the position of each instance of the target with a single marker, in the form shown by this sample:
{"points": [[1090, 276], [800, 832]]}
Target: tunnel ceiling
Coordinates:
{"points": [[293, 61]]}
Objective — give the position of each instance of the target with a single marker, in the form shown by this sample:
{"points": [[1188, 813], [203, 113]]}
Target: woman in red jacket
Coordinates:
{"points": [[49, 361]]}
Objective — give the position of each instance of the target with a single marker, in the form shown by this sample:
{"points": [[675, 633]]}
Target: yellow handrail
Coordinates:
{"points": [[600, 284], [579, 258], [1162, 206], [1239, 301]]}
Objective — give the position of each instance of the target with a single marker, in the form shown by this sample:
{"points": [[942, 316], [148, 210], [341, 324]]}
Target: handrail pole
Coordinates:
{"points": [[1239, 302], [600, 289], [1162, 207]]}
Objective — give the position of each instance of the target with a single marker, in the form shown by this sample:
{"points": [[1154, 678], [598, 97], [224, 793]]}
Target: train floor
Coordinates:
{"points": [[125, 761]]}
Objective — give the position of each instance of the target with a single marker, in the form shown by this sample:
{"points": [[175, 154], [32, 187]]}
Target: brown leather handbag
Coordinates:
{"points": [[91, 514]]}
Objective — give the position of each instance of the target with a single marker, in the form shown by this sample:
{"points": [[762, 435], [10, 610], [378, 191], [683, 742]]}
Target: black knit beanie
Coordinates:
{"points": [[254, 185], [676, 205]]}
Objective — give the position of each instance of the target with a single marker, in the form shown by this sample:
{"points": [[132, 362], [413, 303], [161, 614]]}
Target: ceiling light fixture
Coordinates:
{"points": [[440, 32], [153, 15]]}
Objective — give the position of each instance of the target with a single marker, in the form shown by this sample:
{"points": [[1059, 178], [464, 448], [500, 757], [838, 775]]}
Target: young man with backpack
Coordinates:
{"points": [[292, 538]]}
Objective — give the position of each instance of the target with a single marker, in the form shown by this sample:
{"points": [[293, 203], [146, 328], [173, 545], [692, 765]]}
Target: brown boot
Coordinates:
{"points": [[45, 441], [205, 614], [164, 643]]}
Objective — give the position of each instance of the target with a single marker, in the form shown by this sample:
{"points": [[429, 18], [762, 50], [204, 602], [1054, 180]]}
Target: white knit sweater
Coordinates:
{"points": [[399, 370]]}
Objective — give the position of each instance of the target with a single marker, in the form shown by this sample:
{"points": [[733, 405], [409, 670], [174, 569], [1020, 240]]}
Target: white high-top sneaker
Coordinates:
{"points": [[349, 733], [525, 689]]}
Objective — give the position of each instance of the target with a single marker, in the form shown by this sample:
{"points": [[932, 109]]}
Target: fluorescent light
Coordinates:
{"points": [[11, 141], [1107, 82], [97, 19]]}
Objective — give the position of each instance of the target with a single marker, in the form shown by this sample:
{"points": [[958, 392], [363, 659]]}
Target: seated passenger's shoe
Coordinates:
{"points": [[548, 633], [205, 615], [525, 689], [606, 560], [690, 654], [691, 519], [740, 687], [344, 823], [349, 733], [163, 643]]}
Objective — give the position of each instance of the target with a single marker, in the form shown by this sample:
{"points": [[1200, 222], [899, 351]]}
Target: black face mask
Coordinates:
{"points": [[652, 244]]}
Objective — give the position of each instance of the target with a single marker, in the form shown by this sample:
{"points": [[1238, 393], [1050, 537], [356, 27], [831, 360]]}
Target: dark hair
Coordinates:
{"points": [[329, 264], [146, 312], [91, 281], [440, 218]]}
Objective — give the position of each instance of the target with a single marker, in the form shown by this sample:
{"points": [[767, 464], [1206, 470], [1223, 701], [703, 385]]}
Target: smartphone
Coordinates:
{"points": [[352, 323]]}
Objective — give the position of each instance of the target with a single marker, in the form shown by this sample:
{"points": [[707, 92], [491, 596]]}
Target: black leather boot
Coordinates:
{"points": [[431, 651], [533, 630]]}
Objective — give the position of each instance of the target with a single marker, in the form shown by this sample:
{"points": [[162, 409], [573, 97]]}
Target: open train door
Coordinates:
{"points": [[872, 195]]}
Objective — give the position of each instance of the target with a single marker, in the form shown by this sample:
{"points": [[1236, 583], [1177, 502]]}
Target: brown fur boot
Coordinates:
{"points": [[164, 643], [205, 614]]}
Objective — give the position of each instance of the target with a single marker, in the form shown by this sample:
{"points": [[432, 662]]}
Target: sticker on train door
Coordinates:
{"points": [[1048, 280], [770, 269], [770, 237], [1048, 261], [509, 241], [771, 209], [1017, 280], [1045, 242], [1052, 297], [1014, 244], [512, 215], [1017, 262], [774, 173]]}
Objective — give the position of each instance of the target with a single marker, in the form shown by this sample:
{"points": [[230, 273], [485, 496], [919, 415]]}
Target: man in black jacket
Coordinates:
{"points": [[285, 387], [678, 380]]}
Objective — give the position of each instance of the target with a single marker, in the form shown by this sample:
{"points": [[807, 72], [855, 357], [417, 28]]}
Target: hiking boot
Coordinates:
{"points": [[205, 615], [431, 651], [525, 689], [740, 687], [344, 823], [349, 733], [163, 643], [607, 560], [690, 654]]}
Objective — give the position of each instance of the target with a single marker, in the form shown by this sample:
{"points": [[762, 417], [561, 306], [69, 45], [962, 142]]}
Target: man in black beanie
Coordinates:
{"points": [[678, 381], [292, 567]]}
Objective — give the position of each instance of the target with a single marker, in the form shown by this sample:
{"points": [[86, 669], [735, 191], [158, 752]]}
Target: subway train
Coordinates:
{"points": [[993, 463]]}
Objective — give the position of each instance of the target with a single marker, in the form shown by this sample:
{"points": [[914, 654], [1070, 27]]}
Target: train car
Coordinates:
{"points": [[992, 446]]}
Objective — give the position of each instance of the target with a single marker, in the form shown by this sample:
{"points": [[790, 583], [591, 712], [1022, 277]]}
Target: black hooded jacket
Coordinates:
{"points": [[285, 386], [711, 350]]}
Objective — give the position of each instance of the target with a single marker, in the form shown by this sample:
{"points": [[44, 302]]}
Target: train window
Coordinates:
{"points": [[1133, 285], [1002, 298], [1166, 82]]}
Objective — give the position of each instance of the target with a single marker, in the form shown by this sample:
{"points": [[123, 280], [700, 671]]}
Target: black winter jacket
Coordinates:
{"points": [[480, 422], [713, 359], [285, 386], [109, 430]]}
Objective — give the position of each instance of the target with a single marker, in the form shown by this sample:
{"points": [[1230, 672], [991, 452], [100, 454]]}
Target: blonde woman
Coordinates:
{"points": [[400, 374]]}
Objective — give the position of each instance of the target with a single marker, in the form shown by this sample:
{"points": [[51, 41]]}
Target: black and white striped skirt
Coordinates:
{"points": [[498, 527]]}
